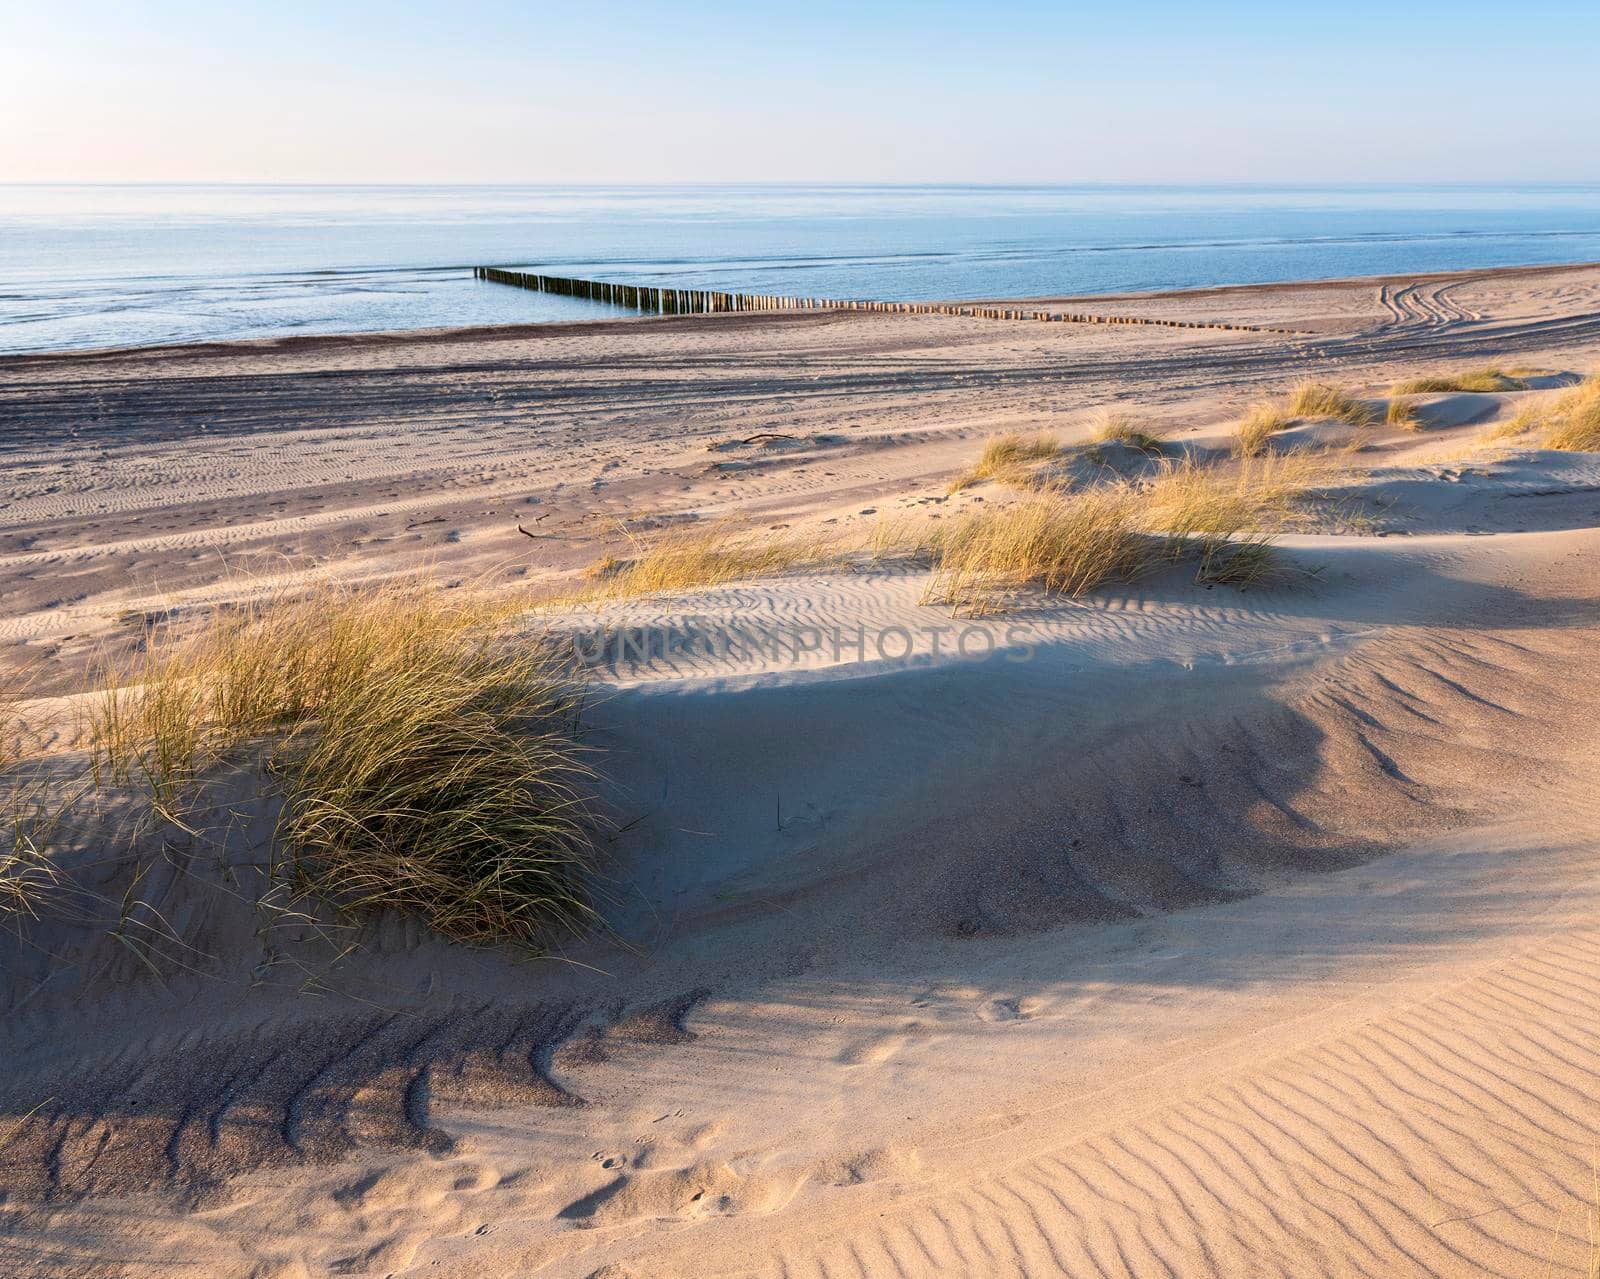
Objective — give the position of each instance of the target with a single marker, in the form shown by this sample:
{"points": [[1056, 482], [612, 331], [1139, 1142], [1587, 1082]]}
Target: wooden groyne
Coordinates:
{"points": [[659, 301], [650, 299]]}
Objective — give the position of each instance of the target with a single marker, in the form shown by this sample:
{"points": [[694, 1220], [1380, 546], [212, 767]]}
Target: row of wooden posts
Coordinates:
{"points": [[658, 301], [644, 297]]}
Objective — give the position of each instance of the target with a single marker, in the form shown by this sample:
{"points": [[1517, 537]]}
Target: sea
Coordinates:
{"points": [[139, 265]]}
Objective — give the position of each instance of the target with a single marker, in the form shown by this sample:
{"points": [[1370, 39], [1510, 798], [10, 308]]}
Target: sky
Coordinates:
{"points": [[802, 90]]}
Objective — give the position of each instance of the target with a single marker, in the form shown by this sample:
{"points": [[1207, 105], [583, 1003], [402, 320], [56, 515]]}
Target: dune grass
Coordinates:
{"points": [[1489, 379], [1067, 543], [900, 536], [1568, 421], [1071, 542], [26, 874], [1006, 457], [1520, 423], [425, 763], [28, 818], [1190, 500], [693, 556], [1322, 401], [1116, 427], [32, 813], [1227, 516], [1314, 401], [1259, 425], [1241, 563], [1572, 422], [1403, 414]]}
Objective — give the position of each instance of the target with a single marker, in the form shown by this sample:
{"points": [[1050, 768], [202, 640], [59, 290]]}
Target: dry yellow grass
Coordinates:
{"points": [[1573, 419], [1308, 401], [1228, 515], [1065, 542], [425, 762], [1117, 427], [1403, 414], [1320, 400], [27, 816], [1260, 424], [896, 536], [1489, 379], [1006, 457], [1568, 420], [1072, 542], [1518, 424], [1188, 500], [692, 556], [34, 809], [27, 874]]}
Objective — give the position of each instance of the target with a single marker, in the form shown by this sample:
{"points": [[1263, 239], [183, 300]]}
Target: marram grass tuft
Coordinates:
{"points": [[426, 761]]}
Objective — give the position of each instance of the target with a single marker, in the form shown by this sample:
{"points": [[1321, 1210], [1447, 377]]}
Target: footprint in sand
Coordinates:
{"points": [[1014, 1008], [879, 1048]]}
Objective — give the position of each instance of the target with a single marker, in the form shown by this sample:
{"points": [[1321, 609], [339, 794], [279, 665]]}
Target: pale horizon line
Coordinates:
{"points": [[847, 184]]}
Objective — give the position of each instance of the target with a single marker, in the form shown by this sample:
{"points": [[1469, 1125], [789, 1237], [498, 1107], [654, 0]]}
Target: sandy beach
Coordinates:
{"points": [[1171, 929]]}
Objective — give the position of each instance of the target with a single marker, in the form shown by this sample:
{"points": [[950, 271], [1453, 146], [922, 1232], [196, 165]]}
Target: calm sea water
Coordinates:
{"points": [[92, 266]]}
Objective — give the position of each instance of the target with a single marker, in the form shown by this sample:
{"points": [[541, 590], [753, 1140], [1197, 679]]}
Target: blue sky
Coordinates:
{"points": [[815, 90]]}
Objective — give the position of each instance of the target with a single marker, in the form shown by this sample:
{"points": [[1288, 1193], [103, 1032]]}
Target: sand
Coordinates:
{"points": [[1171, 930]]}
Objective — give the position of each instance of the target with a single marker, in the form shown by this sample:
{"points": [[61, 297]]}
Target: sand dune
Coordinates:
{"points": [[1169, 930]]}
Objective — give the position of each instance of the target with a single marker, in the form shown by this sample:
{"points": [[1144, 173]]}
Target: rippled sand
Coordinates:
{"points": [[1187, 932]]}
